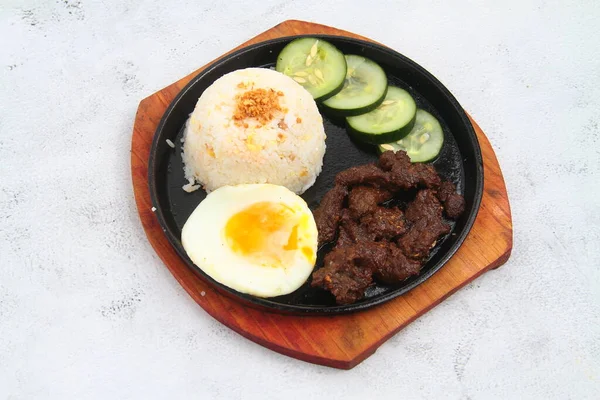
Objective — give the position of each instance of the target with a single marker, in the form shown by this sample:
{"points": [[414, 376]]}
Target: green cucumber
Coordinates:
{"points": [[315, 64], [364, 89], [423, 143], [391, 121]]}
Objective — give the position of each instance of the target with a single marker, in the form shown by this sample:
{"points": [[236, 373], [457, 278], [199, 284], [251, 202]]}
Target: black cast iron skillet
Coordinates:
{"points": [[459, 161]]}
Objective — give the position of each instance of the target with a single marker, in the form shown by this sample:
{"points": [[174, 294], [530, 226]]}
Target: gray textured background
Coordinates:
{"points": [[87, 310]]}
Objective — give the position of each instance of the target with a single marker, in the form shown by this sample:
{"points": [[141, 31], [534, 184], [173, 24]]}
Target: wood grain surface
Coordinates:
{"points": [[336, 341]]}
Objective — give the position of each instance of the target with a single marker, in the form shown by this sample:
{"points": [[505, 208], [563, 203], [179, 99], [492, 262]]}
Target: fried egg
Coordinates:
{"points": [[259, 239]]}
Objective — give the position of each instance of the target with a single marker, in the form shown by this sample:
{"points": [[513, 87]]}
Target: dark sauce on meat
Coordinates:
{"points": [[384, 218]]}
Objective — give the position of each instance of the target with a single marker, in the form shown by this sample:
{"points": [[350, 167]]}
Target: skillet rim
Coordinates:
{"points": [[267, 304]]}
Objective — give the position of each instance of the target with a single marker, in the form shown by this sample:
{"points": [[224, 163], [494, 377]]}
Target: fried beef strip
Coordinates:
{"points": [[364, 200], [454, 203], [385, 261], [397, 268], [427, 175], [389, 160], [405, 175], [351, 231], [425, 205], [384, 223], [348, 270], [393, 172], [425, 214], [368, 174], [346, 280], [421, 237], [327, 215]]}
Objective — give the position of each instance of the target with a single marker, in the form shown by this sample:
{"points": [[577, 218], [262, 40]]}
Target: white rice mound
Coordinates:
{"points": [[219, 152]]}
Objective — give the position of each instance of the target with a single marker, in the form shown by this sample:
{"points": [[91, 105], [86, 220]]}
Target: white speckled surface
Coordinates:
{"points": [[88, 311]]}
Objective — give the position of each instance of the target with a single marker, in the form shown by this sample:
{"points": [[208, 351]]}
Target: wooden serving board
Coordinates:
{"points": [[337, 341]]}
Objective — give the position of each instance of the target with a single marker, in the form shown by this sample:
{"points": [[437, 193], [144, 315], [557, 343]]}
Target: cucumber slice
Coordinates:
{"points": [[423, 143], [389, 122], [315, 64], [364, 89]]}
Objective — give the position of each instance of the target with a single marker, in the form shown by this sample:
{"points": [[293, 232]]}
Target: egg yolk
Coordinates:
{"points": [[267, 233]]}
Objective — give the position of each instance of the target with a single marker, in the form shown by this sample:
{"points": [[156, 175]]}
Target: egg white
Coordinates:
{"points": [[203, 238]]}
